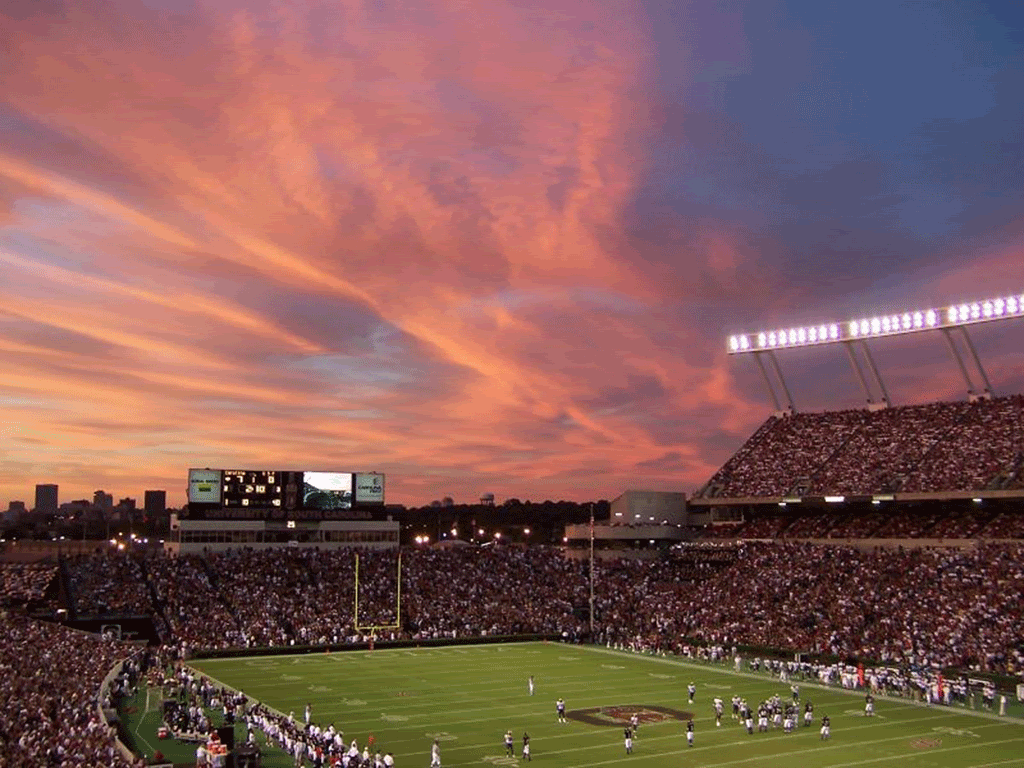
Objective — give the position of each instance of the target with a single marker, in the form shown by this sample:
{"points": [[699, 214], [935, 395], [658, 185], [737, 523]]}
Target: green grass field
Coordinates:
{"points": [[468, 696]]}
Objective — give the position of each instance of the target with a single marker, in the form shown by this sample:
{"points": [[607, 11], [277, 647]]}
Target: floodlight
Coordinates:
{"points": [[835, 499], [880, 325]]}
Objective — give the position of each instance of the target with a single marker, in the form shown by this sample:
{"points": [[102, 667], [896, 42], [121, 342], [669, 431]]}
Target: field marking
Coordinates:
{"points": [[593, 694], [897, 700], [1001, 762], [930, 752], [574, 733], [795, 754], [145, 713], [762, 682], [801, 735]]}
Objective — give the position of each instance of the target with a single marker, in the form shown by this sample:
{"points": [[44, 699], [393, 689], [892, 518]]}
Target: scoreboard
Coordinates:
{"points": [[260, 489], [291, 491]]}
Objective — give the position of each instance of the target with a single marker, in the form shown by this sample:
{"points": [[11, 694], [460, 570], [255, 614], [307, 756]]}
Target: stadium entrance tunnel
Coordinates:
{"points": [[619, 715]]}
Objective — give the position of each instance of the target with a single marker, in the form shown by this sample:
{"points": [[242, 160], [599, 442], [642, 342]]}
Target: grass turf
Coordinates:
{"points": [[469, 696]]}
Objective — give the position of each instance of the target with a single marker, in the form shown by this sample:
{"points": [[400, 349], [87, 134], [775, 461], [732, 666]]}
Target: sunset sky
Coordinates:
{"points": [[481, 246]]}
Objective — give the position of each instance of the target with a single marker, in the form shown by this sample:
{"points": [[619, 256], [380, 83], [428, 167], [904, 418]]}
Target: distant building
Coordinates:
{"points": [[46, 500], [103, 500], [15, 512], [649, 508], [487, 499], [642, 524], [126, 504], [155, 504], [74, 508]]}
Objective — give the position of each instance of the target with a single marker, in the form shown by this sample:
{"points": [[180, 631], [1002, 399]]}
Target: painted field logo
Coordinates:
{"points": [[926, 743], [617, 716]]}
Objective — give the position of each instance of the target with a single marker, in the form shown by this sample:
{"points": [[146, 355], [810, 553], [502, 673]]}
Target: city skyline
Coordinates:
{"points": [[482, 249]]}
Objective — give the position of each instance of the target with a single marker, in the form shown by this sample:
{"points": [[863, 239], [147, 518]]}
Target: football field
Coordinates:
{"points": [[468, 696]]}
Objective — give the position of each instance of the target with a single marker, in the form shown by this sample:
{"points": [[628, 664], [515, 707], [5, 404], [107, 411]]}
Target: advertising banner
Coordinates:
{"points": [[204, 486], [369, 488]]}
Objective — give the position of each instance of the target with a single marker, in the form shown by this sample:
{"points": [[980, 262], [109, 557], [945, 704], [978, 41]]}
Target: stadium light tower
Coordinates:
{"points": [[854, 335]]}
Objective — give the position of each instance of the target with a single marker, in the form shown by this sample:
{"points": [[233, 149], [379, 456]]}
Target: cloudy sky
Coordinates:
{"points": [[481, 246]]}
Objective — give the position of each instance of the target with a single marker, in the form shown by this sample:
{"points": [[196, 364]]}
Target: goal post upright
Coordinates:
{"points": [[398, 602]]}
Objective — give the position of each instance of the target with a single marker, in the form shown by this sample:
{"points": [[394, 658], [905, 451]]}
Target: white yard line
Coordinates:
{"points": [[1019, 761], [795, 755]]}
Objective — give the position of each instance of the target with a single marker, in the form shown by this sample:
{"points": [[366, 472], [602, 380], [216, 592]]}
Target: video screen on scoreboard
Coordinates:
{"points": [[327, 490]]}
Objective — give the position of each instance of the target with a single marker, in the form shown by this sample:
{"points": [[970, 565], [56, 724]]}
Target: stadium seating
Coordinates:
{"points": [[938, 447]]}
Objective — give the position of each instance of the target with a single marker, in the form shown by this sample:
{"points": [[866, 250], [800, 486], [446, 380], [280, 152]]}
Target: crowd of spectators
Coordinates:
{"points": [[921, 520], [1005, 525], [957, 607], [48, 702], [915, 607], [888, 446], [903, 606], [788, 454], [108, 584], [195, 613], [21, 583], [984, 445], [957, 446]]}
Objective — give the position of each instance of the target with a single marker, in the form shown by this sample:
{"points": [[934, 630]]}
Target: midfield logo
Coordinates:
{"points": [[618, 716]]}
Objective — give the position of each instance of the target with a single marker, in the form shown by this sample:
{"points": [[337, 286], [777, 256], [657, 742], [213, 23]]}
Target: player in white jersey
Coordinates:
{"points": [[529, 685], [509, 749], [560, 709], [826, 728], [435, 755], [718, 711], [869, 706]]}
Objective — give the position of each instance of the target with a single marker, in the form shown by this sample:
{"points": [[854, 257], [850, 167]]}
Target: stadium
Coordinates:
{"points": [[867, 555]]}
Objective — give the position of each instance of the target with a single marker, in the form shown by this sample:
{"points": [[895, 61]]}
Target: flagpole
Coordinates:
{"points": [[591, 572]]}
